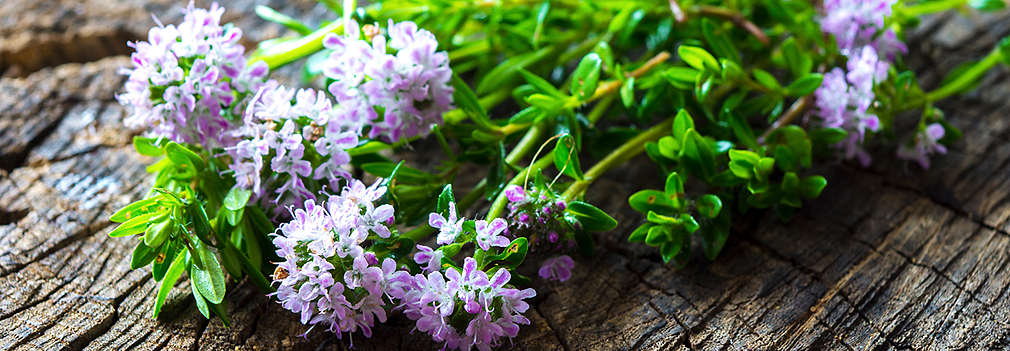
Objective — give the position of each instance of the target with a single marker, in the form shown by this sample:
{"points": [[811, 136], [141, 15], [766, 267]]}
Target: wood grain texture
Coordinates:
{"points": [[890, 257]]}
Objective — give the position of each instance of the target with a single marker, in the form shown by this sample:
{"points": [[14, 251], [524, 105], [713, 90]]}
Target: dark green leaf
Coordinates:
{"points": [[640, 233], [657, 235], [719, 43], [541, 85], [445, 199], [201, 303], [767, 79], [810, 187], [468, 102], [591, 217], [566, 157], [709, 205], [403, 174], [142, 255], [805, 85], [649, 200], [987, 5], [175, 270]]}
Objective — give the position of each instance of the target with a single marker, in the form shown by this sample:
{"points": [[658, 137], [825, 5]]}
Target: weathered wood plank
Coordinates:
{"points": [[890, 257]]}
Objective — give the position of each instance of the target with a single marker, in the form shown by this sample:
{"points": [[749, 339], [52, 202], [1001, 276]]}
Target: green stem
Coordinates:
{"points": [[254, 274], [967, 79], [529, 141], [287, 52], [622, 154], [928, 7]]}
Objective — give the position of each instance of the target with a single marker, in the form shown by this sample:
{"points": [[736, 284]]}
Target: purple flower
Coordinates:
{"points": [[431, 260], [492, 311], [844, 100], [557, 268], [448, 228], [854, 22], [407, 77], [489, 235], [292, 129], [327, 277], [187, 80], [926, 142]]}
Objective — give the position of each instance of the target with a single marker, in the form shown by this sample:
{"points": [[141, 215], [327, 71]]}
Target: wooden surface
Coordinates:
{"points": [[890, 257]]}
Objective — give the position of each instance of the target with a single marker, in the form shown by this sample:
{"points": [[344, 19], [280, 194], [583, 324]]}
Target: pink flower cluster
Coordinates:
{"points": [[327, 277], [302, 136], [330, 278], [540, 217], [489, 311], [397, 95], [925, 142], [188, 81], [845, 98]]}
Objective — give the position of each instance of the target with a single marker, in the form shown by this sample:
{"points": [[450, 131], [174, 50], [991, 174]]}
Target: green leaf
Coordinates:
{"points": [[681, 124], [504, 73], [628, 92], [640, 233], [237, 198], [651, 200], [272, 15], [591, 217], [201, 224], [209, 279], [709, 205], [674, 185], [142, 255], [785, 159], [714, 234], [445, 199], [137, 208], [201, 303], [796, 139], [805, 85], [698, 155], [134, 226], [827, 136], [171, 276], [180, 155], [157, 233], [742, 163], [682, 78], [515, 253], [544, 102], [719, 43], [147, 146], [811, 187], [767, 79], [540, 84], [987, 5], [468, 102], [657, 235], [698, 58], [586, 76], [566, 157], [796, 60], [527, 115], [403, 174], [163, 260], [670, 249]]}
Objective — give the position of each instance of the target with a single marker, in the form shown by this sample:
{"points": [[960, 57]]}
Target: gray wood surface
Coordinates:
{"points": [[890, 257]]}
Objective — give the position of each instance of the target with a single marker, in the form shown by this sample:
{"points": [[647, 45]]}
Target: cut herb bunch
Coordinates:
{"points": [[734, 101]]}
